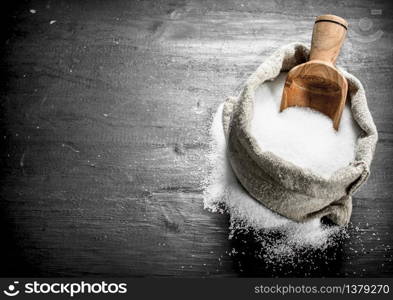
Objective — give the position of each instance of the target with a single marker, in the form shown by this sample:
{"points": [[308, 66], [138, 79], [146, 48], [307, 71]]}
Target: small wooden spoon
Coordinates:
{"points": [[317, 83]]}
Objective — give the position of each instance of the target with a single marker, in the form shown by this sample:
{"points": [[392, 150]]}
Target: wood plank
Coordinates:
{"points": [[105, 118]]}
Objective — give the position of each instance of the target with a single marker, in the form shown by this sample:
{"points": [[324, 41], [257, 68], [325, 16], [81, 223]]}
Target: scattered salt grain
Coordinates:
{"points": [[224, 193]]}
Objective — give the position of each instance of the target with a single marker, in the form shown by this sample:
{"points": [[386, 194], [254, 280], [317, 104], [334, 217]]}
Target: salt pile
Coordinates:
{"points": [[310, 142], [302, 136]]}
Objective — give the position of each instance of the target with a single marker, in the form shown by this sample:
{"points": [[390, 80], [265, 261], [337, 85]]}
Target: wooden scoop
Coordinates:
{"points": [[317, 83]]}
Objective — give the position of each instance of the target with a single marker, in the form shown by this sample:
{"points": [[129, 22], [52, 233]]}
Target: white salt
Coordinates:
{"points": [[302, 136]]}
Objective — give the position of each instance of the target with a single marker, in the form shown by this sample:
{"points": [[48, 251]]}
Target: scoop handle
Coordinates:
{"points": [[327, 38]]}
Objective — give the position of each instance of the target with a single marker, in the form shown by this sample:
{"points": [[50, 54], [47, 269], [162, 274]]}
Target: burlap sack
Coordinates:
{"points": [[289, 190]]}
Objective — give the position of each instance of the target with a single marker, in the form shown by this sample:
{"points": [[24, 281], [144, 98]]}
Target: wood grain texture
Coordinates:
{"points": [[317, 83], [105, 118], [328, 36]]}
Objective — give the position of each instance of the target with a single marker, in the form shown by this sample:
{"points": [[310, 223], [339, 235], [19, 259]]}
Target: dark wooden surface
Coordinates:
{"points": [[105, 118]]}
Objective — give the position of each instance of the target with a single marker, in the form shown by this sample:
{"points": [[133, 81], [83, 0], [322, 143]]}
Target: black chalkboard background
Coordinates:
{"points": [[105, 116]]}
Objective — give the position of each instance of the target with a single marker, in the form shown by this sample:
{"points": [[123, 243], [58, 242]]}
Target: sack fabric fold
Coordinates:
{"points": [[281, 186]]}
